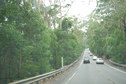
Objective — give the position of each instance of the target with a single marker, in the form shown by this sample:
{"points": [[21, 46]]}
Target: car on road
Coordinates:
{"points": [[86, 60], [94, 57], [91, 54], [99, 61]]}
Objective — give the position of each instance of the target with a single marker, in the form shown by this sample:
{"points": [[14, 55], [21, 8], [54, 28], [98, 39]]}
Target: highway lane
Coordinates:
{"points": [[92, 74]]}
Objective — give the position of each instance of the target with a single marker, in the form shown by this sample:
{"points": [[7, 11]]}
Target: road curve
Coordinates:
{"points": [[92, 74]]}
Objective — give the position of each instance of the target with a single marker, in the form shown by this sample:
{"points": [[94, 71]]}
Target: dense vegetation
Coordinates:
{"points": [[29, 46], [107, 30]]}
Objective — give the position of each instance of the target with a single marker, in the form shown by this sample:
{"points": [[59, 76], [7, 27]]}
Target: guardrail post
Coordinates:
{"points": [[34, 83], [42, 79], [62, 62]]}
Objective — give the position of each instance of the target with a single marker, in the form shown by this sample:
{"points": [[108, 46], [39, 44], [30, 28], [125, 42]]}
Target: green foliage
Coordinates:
{"points": [[28, 47], [11, 43], [107, 33], [66, 24], [66, 45]]}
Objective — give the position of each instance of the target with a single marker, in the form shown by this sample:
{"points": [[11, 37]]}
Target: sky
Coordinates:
{"points": [[79, 8], [82, 8]]}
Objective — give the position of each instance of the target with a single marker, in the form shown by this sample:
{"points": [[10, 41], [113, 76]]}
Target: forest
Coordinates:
{"points": [[107, 30], [34, 37]]}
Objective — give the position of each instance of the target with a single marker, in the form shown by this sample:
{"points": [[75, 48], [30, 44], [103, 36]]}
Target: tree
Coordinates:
{"points": [[29, 46], [107, 30], [10, 48], [66, 24]]}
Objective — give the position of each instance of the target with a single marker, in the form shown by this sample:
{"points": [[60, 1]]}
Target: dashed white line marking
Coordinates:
{"points": [[74, 73], [115, 68], [70, 78]]}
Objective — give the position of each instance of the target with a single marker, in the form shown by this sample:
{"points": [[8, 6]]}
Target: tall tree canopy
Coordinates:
{"points": [[106, 34], [29, 45]]}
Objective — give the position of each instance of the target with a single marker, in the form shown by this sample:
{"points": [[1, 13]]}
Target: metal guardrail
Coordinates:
{"points": [[40, 79], [122, 65]]}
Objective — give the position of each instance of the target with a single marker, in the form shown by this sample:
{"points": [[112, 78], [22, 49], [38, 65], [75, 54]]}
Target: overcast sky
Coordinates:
{"points": [[82, 8], [79, 8]]}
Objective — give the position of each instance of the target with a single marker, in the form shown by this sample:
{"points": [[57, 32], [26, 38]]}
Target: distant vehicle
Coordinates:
{"points": [[99, 61], [94, 57], [86, 60]]}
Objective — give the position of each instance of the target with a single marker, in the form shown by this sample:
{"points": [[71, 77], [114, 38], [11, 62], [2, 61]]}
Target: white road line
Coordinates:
{"points": [[115, 68], [70, 78], [74, 73], [108, 77]]}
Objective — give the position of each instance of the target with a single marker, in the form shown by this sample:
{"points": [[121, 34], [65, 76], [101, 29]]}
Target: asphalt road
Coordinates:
{"points": [[92, 74]]}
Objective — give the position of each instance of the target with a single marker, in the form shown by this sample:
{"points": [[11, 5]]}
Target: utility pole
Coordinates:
{"points": [[62, 62]]}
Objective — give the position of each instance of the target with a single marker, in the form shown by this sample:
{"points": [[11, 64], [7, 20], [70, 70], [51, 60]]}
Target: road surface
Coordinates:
{"points": [[92, 74]]}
